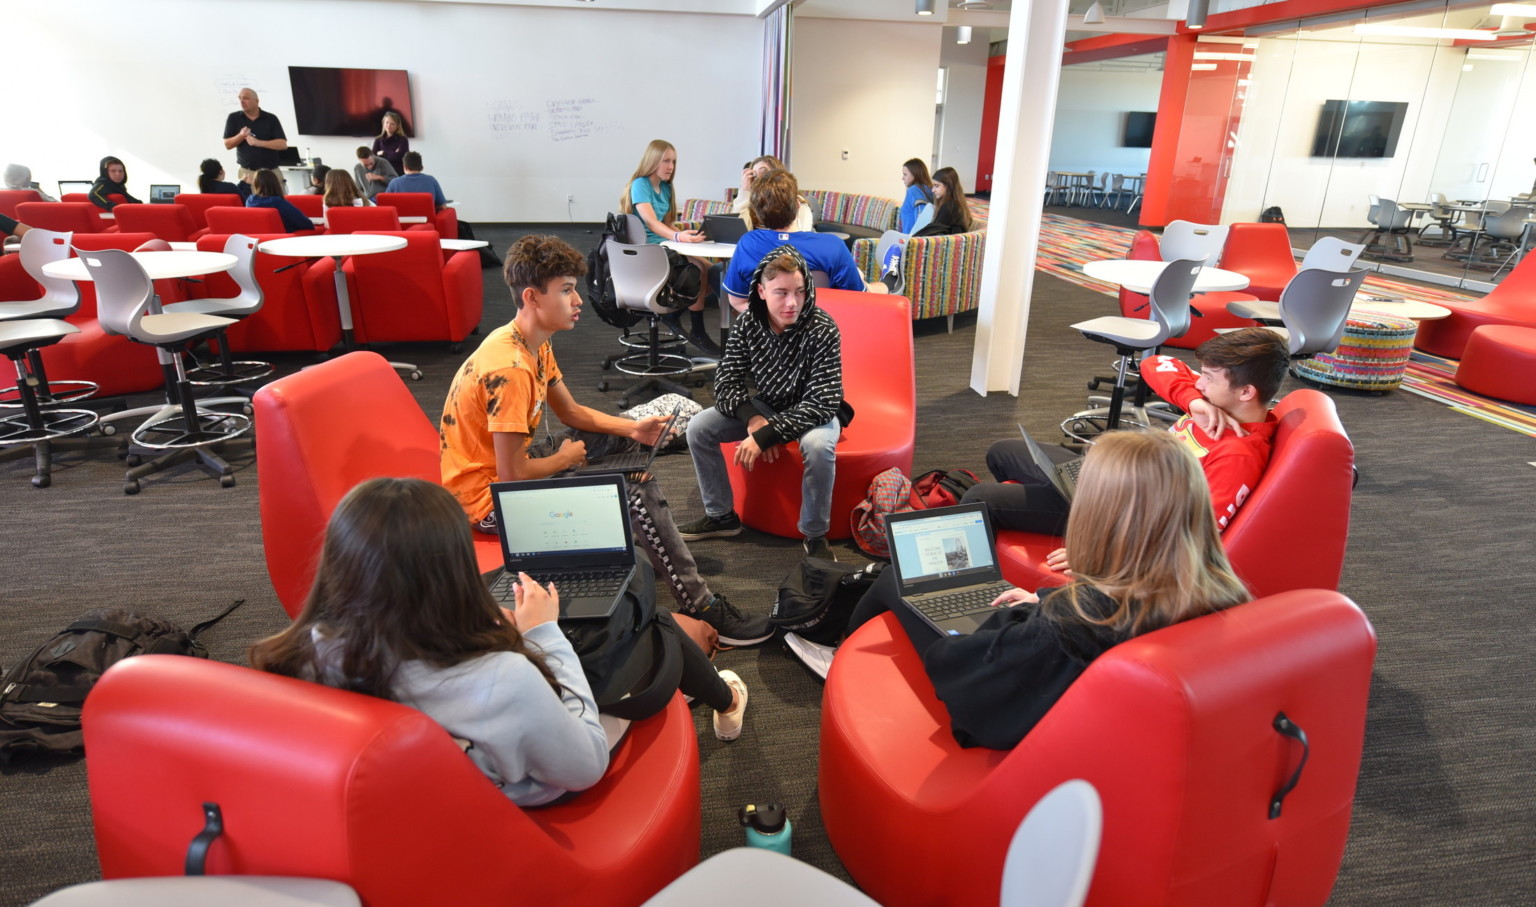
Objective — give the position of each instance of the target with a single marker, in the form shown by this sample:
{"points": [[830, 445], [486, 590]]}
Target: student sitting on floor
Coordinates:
{"points": [[496, 404], [1146, 555], [1228, 427]]}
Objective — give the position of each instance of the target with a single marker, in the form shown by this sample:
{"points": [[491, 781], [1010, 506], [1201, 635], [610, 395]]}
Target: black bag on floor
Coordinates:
{"points": [[1272, 215], [633, 660], [816, 598], [42, 697]]}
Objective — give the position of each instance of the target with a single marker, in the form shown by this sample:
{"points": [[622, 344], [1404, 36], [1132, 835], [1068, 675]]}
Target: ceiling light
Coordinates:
{"points": [[963, 34], [1194, 14], [1095, 15], [925, 7], [1522, 10], [1417, 31]]}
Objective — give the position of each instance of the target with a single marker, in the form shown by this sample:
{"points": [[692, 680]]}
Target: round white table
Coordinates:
{"points": [[462, 245], [337, 246], [1412, 309], [1138, 276], [158, 265], [702, 249]]}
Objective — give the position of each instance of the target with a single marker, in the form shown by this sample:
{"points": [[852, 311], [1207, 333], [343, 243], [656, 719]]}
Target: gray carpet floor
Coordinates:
{"points": [[1441, 558]]}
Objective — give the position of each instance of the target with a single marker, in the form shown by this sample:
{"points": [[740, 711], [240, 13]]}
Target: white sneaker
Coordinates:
{"points": [[813, 655], [728, 724]]}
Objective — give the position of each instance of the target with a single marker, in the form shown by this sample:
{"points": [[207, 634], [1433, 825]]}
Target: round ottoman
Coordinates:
{"points": [[1500, 361], [1372, 355]]}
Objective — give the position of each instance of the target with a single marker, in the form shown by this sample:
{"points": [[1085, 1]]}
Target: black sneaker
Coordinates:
{"points": [[735, 628], [709, 527], [818, 547], [706, 345]]}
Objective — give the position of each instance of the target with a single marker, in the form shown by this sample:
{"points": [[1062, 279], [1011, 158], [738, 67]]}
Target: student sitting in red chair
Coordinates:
{"points": [[1228, 427]]}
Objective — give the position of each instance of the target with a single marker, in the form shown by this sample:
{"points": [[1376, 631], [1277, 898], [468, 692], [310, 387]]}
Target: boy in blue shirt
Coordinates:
{"points": [[416, 181]]}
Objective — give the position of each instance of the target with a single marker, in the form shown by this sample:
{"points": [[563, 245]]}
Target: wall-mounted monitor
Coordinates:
{"points": [[1138, 129], [1359, 128], [351, 102]]}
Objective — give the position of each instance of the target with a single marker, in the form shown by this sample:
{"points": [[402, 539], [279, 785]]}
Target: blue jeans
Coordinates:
{"points": [[818, 453]]}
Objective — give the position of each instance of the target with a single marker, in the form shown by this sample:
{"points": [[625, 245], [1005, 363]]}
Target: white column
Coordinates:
{"points": [[1030, 77]]}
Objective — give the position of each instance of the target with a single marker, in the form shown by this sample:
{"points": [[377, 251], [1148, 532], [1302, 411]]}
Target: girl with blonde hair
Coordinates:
{"points": [[650, 197], [391, 143], [1145, 555]]}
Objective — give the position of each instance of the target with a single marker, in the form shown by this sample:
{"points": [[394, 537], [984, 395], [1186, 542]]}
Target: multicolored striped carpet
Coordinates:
{"points": [[1066, 243]]}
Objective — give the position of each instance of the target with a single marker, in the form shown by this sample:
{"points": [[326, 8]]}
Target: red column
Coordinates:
{"points": [[1197, 116]]}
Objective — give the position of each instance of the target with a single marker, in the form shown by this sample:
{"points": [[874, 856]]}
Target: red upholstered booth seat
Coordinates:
{"points": [[10, 198], [198, 203], [1262, 253], [250, 221], [412, 293], [879, 383], [321, 431], [64, 217], [311, 205], [1175, 731], [298, 306], [1291, 532], [421, 204], [1513, 301], [1500, 361], [369, 219], [322, 783], [172, 223], [1211, 306]]}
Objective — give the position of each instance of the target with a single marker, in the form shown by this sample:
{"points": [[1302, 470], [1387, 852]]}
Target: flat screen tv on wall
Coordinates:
{"points": [[1138, 129], [1359, 128], [352, 102]]}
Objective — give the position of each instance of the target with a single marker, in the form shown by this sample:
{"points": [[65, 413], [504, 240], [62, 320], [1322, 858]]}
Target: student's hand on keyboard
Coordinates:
{"points": [[574, 452], [1014, 597], [535, 604], [1057, 560]]}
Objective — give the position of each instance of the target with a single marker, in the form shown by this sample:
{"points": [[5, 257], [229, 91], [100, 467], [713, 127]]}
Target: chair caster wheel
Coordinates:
{"points": [[133, 459], [607, 365], [131, 486], [227, 481], [109, 429], [623, 403], [41, 481], [416, 375], [602, 385], [455, 347], [247, 409]]}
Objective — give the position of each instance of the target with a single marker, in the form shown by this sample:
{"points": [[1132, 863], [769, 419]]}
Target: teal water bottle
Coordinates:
{"points": [[767, 826]]}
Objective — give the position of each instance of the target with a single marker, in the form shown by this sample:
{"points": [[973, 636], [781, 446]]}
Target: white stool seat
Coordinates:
{"points": [[196, 891], [36, 332], [170, 327], [1135, 332]]}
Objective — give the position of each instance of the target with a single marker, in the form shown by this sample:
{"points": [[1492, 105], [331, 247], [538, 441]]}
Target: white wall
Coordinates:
{"points": [[151, 81], [867, 88], [960, 137], [1091, 105]]}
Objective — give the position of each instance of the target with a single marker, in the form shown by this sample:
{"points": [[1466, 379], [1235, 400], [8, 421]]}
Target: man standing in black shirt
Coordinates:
{"points": [[257, 134]]}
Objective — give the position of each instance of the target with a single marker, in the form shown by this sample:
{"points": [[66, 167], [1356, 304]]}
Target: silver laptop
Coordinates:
{"points": [[946, 565], [163, 193], [1062, 475], [573, 532], [68, 186], [724, 228], [631, 461]]}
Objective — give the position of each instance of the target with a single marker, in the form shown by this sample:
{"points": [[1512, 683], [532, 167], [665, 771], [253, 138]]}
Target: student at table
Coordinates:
{"points": [[372, 172], [805, 220], [919, 194], [341, 192], [391, 143], [267, 192], [951, 211], [19, 176], [416, 181], [110, 189], [210, 180], [317, 179]]}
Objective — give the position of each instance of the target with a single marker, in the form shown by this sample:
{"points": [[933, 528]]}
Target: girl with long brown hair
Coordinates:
{"points": [[398, 610]]}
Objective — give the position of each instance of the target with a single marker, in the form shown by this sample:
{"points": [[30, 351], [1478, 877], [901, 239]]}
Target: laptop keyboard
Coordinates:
{"points": [[964, 601], [576, 584], [1072, 468], [628, 461]]}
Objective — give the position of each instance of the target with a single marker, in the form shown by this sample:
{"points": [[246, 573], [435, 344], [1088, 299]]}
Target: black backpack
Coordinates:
{"points": [[1272, 215], [817, 596], [41, 698]]}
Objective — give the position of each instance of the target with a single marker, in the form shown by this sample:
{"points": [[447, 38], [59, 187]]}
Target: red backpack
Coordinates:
{"points": [[892, 492]]}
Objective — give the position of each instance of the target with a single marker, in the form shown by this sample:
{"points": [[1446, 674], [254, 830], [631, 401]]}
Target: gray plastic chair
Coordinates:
{"points": [[1331, 254], [634, 230], [1183, 240], [1443, 218], [60, 299], [1314, 308], [125, 304], [1508, 231], [1053, 854], [639, 272], [1391, 223], [229, 373]]}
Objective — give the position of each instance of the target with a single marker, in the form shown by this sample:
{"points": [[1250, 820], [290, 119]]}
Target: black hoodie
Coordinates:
{"points": [[104, 186], [797, 374]]}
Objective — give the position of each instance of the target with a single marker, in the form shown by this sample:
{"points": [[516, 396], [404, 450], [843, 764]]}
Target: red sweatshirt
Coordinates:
{"points": [[1232, 464]]}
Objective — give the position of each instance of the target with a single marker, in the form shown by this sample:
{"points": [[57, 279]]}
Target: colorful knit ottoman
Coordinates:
{"points": [[1372, 355], [1500, 361]]}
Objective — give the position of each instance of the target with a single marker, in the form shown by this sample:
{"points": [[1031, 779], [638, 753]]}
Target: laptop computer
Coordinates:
{"points": [[631, 461], [945, 565], [68, 186], [1062, 475], [573, 532], [163, 193], [724, 228]]}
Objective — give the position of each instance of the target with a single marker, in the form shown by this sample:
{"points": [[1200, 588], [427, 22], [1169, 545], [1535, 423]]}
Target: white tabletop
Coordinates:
{"points": [[463, 245], [334, 244], [1138, 276], [183, 246], [703, 249], [1412, 309], [158, 265], [413, 219]]}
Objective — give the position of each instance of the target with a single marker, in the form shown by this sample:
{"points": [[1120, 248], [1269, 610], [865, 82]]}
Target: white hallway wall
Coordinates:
{"points": [[1090, 118], [151, 82]]}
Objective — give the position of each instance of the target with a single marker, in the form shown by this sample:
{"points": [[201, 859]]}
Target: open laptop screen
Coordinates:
{"points": [[569, 518], [943, 545]]}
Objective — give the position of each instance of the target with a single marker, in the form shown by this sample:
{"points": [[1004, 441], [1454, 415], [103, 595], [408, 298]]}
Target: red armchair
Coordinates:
{"points": [[1176, 731], [311, 205], [321, 431], [197, 204], [421, 204], [322, 783], [879, 383], [1291, 532], [64, 217], [250, 221], [172, 223], [369, 219], [1262, 253], [1211, 306], [413, 294], [10, 198], [1513, 301], [298, 309]]}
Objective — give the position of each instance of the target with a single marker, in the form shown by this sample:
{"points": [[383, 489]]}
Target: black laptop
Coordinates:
{"points": [[163, 193], [1062, 475], [573, 532], [946, 566], [727, 228], [631, 461]]}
